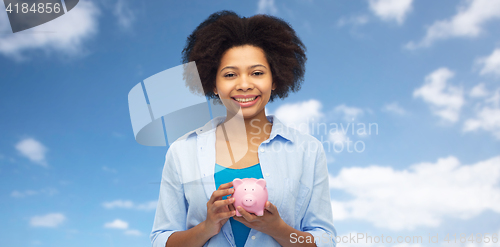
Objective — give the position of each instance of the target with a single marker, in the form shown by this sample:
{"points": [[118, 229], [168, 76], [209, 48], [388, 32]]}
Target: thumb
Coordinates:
{"points": [[269, 206]]}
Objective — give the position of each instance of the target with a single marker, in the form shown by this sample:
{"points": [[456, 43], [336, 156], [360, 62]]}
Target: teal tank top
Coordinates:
{"points": [[225, 175]]}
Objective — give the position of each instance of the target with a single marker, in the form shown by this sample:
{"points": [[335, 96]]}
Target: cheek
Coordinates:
{"points": [[268, 90]]}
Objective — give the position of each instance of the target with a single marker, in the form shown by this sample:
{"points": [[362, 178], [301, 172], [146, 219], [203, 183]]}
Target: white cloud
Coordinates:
{"points": [[147, 206], [118, 204], [120, 224], [487, 119], [124, 14], [391, 10], [300, 115], [337, 137], [350, 113], [133, 232], [116, 224], [33, 150], [64, 34], [353, 20], [21, 194], [394, 108], [49, 220], [491, 64], [421, 196], [487, 116], [478, 91], [445, 100], [267, 7], [468, 22], [151, 205]]}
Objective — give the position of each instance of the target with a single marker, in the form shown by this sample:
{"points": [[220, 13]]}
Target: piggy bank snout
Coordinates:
{"points": [[249, 200]]}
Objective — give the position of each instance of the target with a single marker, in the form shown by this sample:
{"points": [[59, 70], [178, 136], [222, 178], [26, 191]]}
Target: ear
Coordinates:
{"points": [[274, 86], [262, 183], [237, 182]]}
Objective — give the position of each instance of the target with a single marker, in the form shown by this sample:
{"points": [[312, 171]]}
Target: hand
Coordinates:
{"points": [[218, 211], [268, 223]]}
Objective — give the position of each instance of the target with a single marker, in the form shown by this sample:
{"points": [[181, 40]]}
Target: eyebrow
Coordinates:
{"points": [[249, 67]]}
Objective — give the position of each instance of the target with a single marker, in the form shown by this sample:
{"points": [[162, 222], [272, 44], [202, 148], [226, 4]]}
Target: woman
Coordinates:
{"points": [[245, 63]]}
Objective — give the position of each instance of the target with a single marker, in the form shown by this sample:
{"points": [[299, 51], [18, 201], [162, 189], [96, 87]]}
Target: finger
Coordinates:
{"points": [[218, 194], [224, 192], [271, 207], [225, 215], [246, 214], [226, 185], [221, 203], [231, 205]]}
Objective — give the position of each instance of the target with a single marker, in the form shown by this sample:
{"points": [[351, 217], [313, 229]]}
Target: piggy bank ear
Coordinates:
{"points": [[261, 182], [237, 182]]}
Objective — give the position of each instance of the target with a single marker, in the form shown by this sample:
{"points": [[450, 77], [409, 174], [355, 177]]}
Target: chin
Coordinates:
{"points": [[252, 114]]}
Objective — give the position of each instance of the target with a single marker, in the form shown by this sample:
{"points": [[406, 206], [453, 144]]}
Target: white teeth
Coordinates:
{"points": [[245, 100]]}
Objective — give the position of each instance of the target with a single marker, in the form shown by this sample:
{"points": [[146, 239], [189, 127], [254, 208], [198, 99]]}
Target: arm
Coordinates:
{"points": [[318, 218], [218, 214], [169, 227], [283, 236], [195, 236], [317, 224]]}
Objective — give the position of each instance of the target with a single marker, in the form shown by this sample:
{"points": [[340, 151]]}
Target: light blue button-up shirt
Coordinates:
{"points": [[293, 165]]}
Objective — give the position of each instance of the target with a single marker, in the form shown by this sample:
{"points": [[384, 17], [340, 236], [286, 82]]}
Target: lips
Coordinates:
{"points": [[244, 96], [246, 99], [246, 103]]}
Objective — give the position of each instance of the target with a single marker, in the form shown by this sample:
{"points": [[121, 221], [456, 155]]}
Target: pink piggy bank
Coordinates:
{"points": [[251, 194]]}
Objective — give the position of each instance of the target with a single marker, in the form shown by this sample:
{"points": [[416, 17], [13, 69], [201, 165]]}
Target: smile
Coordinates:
{"points": [[246, 102]]}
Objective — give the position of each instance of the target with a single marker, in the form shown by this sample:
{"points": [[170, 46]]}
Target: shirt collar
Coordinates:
{"points": [[278, 127]]}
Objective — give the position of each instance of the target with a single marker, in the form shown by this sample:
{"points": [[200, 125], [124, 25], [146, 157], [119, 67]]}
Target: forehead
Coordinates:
{"points": [[243, 55]]}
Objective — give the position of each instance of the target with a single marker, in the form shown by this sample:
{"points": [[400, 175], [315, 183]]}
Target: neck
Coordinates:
{"points": [[257, 126]]}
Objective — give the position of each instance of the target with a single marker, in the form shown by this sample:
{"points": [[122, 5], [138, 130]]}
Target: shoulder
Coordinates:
{"points": [[303, 139], [190, 137]]}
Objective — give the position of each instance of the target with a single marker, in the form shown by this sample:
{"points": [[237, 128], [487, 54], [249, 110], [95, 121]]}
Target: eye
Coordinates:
{"points": [[258, 73], [229, 75]]}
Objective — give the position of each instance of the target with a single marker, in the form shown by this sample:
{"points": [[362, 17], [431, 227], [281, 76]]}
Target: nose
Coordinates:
{"points": [[244, 83], [248, 200]]}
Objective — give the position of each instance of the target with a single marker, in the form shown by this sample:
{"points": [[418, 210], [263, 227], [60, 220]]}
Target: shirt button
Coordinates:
{"points": [[262, 150], [267, 174], [253, 237]]}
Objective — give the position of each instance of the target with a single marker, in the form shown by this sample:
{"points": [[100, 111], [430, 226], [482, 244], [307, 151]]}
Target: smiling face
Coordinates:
{"points": [[244, 74]]}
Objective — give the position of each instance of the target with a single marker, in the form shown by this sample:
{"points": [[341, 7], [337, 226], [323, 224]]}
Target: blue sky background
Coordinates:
{"points": [[427, 73]]}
